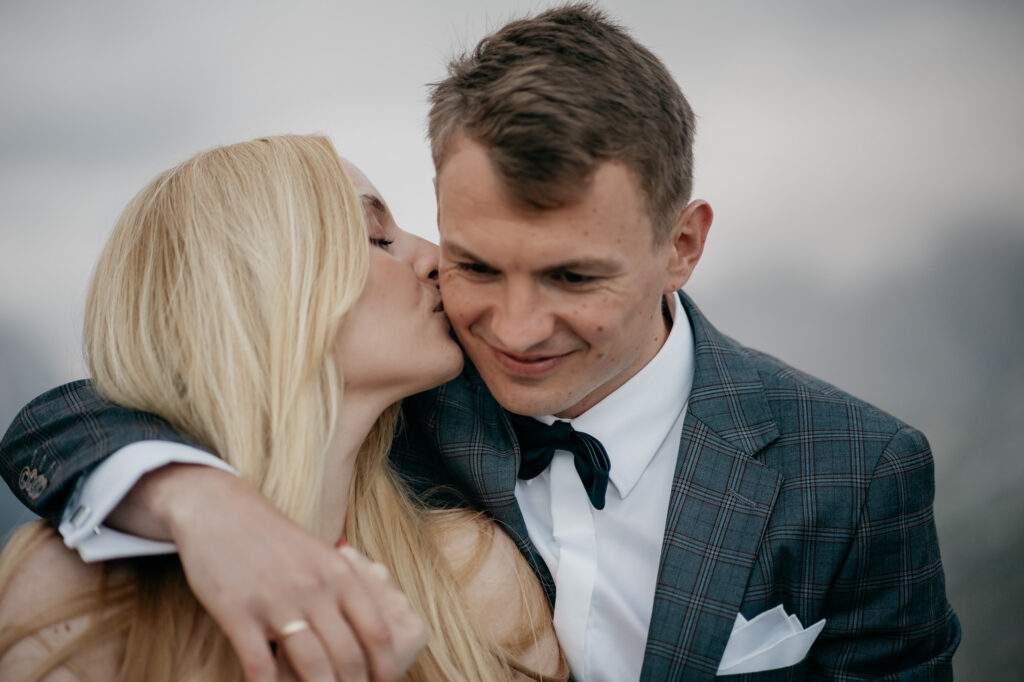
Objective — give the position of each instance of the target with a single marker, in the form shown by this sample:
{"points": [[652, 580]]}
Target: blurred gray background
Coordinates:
{"points": [[864, 162]]}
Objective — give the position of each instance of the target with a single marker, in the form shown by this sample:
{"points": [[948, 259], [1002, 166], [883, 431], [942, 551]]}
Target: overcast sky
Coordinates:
{"points": [[841, 141]]}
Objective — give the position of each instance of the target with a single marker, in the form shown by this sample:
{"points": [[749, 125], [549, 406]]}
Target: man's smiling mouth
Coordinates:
{"points": [[528, 366]]}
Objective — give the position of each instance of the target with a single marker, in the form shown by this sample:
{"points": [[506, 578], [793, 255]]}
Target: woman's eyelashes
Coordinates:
{"points": [[381, 242]]}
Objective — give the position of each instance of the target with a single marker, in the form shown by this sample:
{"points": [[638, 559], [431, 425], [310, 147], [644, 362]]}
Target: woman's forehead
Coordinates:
{"points": [[360, 182]]}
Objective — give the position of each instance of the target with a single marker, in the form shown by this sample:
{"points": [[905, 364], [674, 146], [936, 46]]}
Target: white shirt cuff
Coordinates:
{"points": [[97, 494]]}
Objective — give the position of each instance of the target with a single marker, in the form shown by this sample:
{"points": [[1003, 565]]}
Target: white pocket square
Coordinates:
{"points": [[768, 641]]}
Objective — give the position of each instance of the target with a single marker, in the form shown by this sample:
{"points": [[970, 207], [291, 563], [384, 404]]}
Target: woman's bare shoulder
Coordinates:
{"points": [[46, 579], [486, 560], [47, 575], [501, 589]]}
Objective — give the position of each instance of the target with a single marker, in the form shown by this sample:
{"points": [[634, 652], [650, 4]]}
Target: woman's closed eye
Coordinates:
{"points": [[381, 242]]}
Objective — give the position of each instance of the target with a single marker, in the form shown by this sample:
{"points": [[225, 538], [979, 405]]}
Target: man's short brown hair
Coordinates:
{"points": [[553, 96]]}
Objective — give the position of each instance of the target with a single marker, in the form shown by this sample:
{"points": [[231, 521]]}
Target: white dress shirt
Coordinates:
{"points": [[96, 495], [605, 561]]}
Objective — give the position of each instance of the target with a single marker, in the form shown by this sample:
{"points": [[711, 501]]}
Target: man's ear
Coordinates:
{"points": [[686, 242]]}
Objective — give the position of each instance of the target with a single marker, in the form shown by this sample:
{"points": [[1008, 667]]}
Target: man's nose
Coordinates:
{"points": [[520, 318]]}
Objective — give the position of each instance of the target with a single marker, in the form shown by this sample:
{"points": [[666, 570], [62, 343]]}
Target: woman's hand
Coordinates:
{"points": [[254, 571], [408, 631]]}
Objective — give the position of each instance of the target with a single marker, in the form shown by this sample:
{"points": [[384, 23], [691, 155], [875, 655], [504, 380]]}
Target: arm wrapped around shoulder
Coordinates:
{"points": [[63, 434], [888, 616]]}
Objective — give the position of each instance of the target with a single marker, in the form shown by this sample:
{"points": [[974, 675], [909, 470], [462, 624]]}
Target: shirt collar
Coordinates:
{"points": [[633, 421]]}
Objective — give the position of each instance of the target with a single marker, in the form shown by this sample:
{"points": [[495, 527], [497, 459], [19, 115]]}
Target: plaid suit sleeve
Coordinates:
{"points": [[888, 617], [63, 434]]}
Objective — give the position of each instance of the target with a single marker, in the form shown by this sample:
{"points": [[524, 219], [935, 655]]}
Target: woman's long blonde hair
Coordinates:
{"points": [[217, 299], [215, 304]]}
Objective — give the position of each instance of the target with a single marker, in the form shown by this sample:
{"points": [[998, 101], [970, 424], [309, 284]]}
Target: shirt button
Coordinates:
{"points": [[80, 516]]}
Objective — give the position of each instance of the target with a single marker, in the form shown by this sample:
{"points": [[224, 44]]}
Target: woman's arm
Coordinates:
{"points": [[225, 523]]}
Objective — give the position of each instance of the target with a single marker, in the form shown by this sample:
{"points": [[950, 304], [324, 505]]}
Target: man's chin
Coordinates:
{"points": [[524, 393], [531, 401]]}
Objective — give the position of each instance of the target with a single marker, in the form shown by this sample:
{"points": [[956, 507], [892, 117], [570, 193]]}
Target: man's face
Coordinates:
{"points": [[556, 307]]}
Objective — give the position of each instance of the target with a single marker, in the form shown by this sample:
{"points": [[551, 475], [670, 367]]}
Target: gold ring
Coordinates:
{"points": [[292, 627]]}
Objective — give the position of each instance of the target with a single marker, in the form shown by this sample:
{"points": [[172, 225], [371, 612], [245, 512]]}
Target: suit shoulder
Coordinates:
{"points": [[787, 387], [846, 434]]}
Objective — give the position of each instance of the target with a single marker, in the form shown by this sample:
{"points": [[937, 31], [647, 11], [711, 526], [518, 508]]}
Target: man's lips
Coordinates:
{"points": [[528, 366]]}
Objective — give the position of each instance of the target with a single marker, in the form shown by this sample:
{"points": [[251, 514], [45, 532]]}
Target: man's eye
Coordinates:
{"points": [[572, 277], [381, 242], [476, 268]]}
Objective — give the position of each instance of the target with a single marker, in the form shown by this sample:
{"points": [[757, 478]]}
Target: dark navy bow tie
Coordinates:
{"points": [[538, 443]]}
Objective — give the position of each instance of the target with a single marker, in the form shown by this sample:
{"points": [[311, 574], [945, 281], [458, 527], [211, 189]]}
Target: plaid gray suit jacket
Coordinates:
{"points": [[786, 491]]}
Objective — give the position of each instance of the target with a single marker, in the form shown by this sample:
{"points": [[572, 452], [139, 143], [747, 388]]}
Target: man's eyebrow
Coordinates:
{"points": [[459, 251], [585, 264]]}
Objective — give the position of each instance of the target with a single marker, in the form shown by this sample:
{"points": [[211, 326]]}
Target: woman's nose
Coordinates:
{"points": [[424, 258]]}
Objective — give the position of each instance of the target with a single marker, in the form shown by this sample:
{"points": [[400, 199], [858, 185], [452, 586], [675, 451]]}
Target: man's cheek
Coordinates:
{"points": [[459, 310], [448, 279], [462, 298]]}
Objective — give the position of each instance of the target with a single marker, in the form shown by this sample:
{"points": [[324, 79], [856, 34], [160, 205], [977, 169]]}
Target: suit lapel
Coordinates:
{"points": [[721, 500], [481, 452]]}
